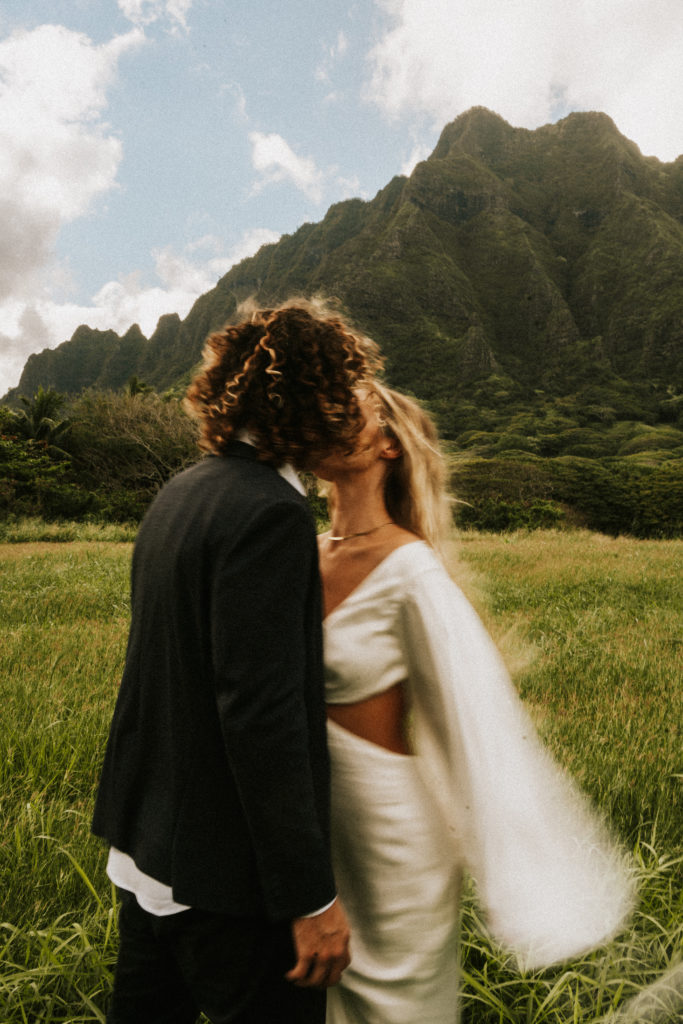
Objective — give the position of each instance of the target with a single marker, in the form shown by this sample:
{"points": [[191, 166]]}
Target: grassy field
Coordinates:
{"points": [[591, 628]]}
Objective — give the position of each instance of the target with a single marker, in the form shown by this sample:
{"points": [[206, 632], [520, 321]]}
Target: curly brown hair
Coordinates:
{"points": [[287, 375]]}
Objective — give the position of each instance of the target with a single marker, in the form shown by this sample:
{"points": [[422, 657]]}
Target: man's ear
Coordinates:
{"points": [[391, 449]]}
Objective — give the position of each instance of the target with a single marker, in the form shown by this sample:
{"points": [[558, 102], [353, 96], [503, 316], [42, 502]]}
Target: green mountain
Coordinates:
{"points": [[512, 268]]}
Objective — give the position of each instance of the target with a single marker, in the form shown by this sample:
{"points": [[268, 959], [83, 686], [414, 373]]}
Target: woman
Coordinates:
{"points": [[435, 765]]}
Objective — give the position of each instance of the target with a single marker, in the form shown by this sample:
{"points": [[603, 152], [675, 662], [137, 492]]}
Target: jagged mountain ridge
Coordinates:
{"points": [[546, 256]]}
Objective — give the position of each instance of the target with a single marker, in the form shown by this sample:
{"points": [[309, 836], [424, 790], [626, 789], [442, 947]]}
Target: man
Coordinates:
{"points": [[214, 789]]}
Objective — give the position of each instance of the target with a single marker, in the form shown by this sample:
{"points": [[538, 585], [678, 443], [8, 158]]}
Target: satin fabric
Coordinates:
{"points": [[481, 790], [400, 886]]}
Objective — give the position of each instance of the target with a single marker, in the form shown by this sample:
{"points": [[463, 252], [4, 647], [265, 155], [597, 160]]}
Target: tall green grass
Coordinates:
{"points": [[591, 628], [63, 623], [593, 631], [28, 529]]}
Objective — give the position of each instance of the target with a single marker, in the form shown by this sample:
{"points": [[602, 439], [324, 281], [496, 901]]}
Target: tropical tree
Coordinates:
{"points": [[38, 420], [124, 449], [135, 386], [32, 481]]}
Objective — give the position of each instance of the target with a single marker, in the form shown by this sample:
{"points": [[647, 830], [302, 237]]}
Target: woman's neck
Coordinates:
{"points": [[357, 508]]}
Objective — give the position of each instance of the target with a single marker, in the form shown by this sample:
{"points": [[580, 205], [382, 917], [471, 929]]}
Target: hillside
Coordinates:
{"points": [[513, 273]]}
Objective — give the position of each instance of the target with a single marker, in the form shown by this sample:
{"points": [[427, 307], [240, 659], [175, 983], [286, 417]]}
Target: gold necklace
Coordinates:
{"points": [[362, 533]]}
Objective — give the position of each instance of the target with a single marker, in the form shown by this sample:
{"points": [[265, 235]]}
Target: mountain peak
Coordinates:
{"points": [[590, 125], [509, 250], [475, 130]]}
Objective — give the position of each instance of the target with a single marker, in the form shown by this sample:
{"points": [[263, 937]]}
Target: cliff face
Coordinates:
{"points": [[532, 254]]}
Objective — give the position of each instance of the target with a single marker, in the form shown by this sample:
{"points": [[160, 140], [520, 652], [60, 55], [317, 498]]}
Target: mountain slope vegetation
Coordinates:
{"points": [[541, 255], [527, 285]]}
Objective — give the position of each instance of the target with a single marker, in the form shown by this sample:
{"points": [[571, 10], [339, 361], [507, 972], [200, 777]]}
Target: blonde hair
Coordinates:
{"points": [[415, 485]]}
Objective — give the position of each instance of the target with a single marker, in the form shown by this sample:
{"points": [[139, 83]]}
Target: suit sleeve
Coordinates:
{"points": [[270, 703]]}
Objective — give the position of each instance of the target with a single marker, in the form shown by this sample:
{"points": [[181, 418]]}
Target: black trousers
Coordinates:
{"points": [[172, 968]]}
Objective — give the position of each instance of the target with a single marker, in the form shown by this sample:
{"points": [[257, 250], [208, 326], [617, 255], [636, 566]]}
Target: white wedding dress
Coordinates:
{"points": [[480, 794]]}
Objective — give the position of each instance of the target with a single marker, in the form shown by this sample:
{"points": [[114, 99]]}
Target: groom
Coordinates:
{"points": [[214, 789]]}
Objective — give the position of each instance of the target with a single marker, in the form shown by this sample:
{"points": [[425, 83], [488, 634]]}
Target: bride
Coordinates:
{"points": [[436, 768]]}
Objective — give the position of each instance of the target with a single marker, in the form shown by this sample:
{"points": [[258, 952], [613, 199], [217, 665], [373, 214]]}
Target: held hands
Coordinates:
{"points": [[322, 948]]}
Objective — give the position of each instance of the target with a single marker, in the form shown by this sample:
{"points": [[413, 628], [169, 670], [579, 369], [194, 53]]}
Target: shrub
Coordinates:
{"points": [[499, 516], [613, 496], [33, 482]]}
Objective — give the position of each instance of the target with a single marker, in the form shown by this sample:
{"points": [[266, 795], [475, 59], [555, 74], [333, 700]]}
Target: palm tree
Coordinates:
{"points": [[135, 386], [38, 420]]}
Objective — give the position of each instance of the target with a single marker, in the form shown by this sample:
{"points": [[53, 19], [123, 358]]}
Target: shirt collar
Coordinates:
{"points": [[286, 470]]}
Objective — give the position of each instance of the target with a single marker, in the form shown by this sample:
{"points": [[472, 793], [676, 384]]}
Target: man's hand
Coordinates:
{"points": [[322, 948]]}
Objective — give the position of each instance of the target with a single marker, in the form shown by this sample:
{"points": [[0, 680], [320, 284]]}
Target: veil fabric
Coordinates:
{"points": [[551, 880]]}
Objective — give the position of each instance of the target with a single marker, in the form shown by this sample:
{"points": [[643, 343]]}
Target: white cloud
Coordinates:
{"points": [[28, 334], [331, 55], [419, 152], [348, 188], [235, 90], [250, 242], [56, 156], [341, 46], [145, 12], [55, 153], [440, 57], [181, 279], [275, 161]]}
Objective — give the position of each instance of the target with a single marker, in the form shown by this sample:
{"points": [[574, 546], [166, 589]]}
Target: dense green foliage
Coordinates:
{"points": [[36, 478], [125, 446], [118, 450], [590, 627], [614, 496]]}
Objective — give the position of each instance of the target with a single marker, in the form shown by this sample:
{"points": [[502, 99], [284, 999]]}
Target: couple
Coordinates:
{"points": [[236, 870]]}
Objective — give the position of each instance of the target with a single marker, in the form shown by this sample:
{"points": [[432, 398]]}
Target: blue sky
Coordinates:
{"points": [[147, 145]]}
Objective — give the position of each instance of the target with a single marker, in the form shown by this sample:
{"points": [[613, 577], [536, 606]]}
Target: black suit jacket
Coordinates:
{"points": [[215, 777]]}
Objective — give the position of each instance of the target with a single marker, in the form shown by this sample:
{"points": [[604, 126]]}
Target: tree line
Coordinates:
{"points": [[103, 455]]}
